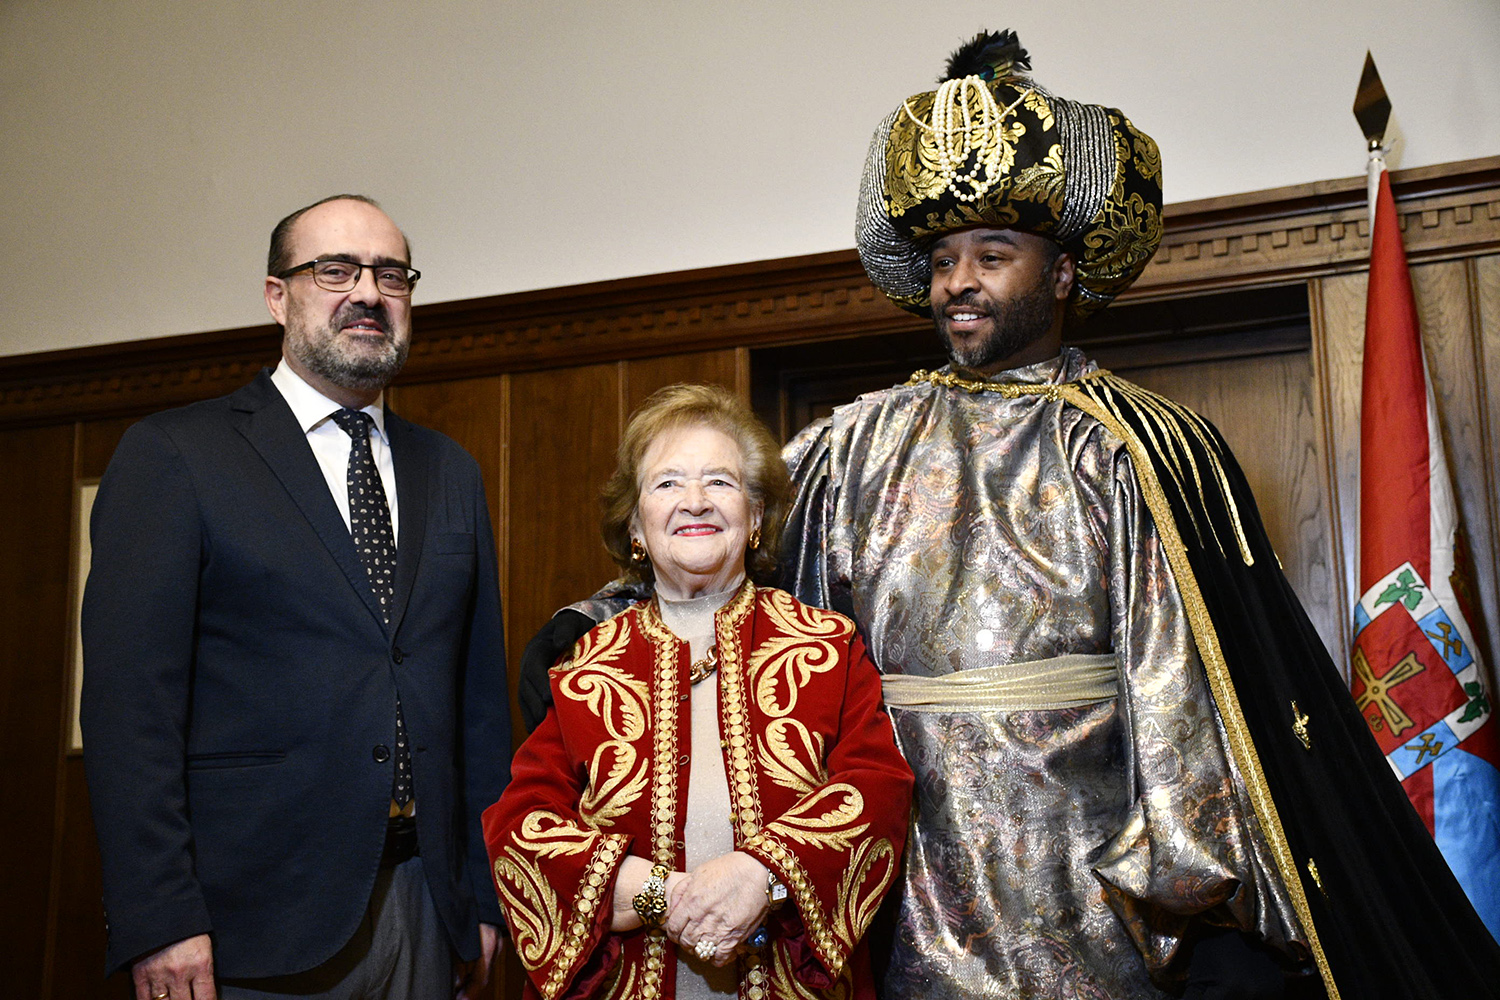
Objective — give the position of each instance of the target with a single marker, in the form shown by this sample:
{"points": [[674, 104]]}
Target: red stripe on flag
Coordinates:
{"points": [[1394, 481]]}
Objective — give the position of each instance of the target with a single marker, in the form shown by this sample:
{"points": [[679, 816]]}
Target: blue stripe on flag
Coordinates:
{"points": [[1420, 750], [1439, 630], [1465, 793]]}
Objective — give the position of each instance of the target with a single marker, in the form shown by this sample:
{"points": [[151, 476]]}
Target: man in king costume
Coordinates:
{"points": [[1138, 773], [1136, 765]]}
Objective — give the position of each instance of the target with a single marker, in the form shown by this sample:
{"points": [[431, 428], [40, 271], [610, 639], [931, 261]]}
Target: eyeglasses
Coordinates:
{"points": [[343, 275]]}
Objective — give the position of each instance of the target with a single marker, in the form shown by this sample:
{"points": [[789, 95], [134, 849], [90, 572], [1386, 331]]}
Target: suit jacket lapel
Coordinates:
{"points": [[268, 424], [412, 482]]}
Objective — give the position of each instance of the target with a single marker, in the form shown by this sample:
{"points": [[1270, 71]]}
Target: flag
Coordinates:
{"points": [[1416, 672]]}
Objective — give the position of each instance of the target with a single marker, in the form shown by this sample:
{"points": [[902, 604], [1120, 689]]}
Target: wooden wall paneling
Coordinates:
{"points": [[1338, 348], [475, 413], [564, 428], [640, 378], [1320, 228], [76, 937], [35, 531], [97, 440], [1444, 306], [1265, 408], [1484, 286]]}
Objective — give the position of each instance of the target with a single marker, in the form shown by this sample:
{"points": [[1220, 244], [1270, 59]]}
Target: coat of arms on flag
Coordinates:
{"points": [[1414, 676]]}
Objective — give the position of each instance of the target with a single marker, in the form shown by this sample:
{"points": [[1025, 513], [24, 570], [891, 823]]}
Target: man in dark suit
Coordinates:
{"points": [[294, 698]]}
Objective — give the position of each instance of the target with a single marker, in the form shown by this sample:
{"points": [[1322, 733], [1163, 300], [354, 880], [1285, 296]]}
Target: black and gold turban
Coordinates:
{"points": [[991, 147]]}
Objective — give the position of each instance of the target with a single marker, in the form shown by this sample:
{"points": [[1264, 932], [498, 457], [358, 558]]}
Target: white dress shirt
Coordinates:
{"points": [[330, 445]]}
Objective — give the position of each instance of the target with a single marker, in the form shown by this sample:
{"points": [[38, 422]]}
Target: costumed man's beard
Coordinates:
{"points": [[351, 365], [1013, 324]]}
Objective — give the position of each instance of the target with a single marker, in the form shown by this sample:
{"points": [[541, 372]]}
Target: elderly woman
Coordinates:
{"points": [[714, 805]]}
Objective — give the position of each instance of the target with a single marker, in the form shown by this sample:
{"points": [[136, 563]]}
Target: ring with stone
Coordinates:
{"points": [[706, 949]]}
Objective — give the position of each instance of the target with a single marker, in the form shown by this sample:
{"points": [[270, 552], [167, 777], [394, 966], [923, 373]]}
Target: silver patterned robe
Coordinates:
{"points": [[1054, 853]]}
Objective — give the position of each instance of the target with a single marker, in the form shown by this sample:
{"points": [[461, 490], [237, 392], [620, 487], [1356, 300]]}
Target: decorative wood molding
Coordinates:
{"points": [[1266, 237], [1296, 233]]}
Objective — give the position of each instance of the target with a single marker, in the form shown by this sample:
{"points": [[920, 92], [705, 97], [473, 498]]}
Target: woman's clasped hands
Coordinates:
{"points": [[711, 911]]}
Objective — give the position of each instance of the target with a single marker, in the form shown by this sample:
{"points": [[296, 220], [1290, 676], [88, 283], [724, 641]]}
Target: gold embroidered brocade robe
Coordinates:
{"points": [[820, 795]]}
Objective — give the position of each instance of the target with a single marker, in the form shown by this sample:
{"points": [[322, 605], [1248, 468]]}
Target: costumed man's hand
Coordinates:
{"points": [[1229, 965], [183, 970], [719, 905], [469, 978]]}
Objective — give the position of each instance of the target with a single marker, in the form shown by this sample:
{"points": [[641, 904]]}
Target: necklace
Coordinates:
{"points": [[702, 668], [1010, 390]]}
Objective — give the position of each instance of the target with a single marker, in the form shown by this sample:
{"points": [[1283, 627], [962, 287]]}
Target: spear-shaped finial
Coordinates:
{"points": [[1372, 109]]}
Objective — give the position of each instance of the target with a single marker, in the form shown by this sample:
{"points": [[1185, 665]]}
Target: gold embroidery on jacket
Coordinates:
{"points": [[536, 918], [623, 985], [818, 822], [530, 906], [593, 678], [782, 665], [744, 792], [609, 796], [788, 985], [862, 888], [753, 977], [585, 905], [663, 776], [800, 886], [804, 620], [799, 768]]}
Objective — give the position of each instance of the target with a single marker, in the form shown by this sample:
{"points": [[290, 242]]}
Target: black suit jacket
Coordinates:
{"points": [[240, 688]]}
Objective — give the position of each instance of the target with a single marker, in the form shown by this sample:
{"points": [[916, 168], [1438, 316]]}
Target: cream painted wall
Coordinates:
{"points": [[147, 147]]}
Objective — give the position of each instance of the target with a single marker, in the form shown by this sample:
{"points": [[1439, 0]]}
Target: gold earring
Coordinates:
{"points": [[755, 538], [637, 551]]}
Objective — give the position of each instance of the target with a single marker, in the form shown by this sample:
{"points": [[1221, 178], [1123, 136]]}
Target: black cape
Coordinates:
{"points": [[1385, 916]]}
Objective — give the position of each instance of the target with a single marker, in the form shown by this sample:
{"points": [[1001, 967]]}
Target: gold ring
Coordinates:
{"points": [[161, 996]]}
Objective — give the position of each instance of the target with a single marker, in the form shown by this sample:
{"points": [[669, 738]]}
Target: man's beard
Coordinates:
{"points": [[1014, 324], [350, 366]]}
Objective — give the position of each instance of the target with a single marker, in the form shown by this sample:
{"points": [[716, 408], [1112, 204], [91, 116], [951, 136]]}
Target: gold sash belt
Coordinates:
{"points": [[1061, 682]]}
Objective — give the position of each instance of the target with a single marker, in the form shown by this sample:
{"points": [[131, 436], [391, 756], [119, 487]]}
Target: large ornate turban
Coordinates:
{"points": [[991, 147]]}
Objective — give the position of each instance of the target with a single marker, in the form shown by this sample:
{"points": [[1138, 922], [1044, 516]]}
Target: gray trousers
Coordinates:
{"points": [[399, 952]]}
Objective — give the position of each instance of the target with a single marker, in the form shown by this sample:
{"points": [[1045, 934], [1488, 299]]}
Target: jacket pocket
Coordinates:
{"points": [[249, 758]]}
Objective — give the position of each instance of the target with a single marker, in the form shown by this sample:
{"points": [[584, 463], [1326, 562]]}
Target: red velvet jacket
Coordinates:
{"points": [[820, 792]]}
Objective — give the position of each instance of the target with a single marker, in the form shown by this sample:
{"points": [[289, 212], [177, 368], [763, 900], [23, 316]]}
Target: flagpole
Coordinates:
{"points": [[1415, 672]]}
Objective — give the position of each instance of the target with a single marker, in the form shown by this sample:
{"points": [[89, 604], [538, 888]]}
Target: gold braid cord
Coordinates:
{"points": [[1101, 395]]}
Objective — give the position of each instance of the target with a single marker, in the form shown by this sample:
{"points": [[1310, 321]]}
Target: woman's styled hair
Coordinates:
{"points": [[683, 406]]}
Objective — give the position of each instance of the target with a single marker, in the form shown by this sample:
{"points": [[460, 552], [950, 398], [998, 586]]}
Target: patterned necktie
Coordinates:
{"points": [[370, 524]]}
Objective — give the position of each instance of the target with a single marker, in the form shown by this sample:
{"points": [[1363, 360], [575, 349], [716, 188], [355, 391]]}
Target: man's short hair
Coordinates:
{"points": [[280, 256]]}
